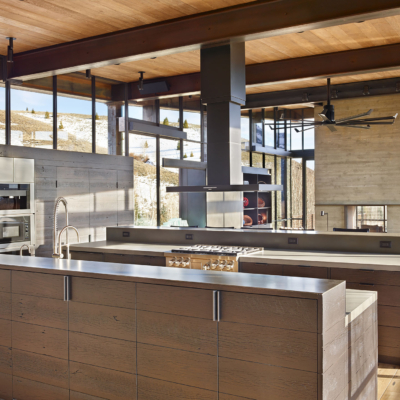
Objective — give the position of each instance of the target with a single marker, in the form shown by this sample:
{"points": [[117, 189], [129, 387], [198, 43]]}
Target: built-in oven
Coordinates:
{"points": [[15, 230], [16, 198]]}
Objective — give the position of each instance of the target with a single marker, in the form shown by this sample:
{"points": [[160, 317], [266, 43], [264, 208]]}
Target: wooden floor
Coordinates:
{"points": [[388, 382]]}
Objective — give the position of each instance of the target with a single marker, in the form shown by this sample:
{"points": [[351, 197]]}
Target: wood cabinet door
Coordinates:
{"points": [[177, 343]]}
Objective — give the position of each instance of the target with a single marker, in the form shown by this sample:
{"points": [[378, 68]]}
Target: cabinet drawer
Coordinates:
{"points": [[260, 268], [102, 382], [5, 305], [391, 278], [387, 295], [389, 316], [83, 396], [5, 280], [104, 292], [86, 256], [36, 284], [175, 300], [117, 323], [154, 389], [5, 333], [39, 368], [135, 259], [273, 311], [6, 386], [150, 260], [40, 311], [41, 340], [25, 389], [305, 271]]}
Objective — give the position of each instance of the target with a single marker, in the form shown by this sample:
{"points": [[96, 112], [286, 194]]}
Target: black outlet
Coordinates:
{"points": [[292, 241], [386, 244], [126, 234], [189, 236]]}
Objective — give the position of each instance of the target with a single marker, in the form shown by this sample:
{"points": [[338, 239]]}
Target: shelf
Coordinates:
{"points": [[249, 209], [263, 208]]}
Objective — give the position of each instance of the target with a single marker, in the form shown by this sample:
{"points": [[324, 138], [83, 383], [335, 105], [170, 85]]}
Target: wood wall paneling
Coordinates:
{"points": [[389, 316], [25, 389], [5, 305], [278, 312], [6, 386], [6, 363], [41, 311], [117, 323], [5, 332], [37, 284], [119, 355], [5, 280], [102, 382], [104, 292]]}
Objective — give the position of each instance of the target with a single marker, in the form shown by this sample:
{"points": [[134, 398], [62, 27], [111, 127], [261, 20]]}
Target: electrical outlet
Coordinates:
{"points": [[292, 241], [386, 244], [126, 234], [189, 236]]}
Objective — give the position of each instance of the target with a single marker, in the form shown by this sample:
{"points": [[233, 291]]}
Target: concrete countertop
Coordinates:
{"points": [[213, 280], [357, 301], [105, 246], [383, 262]]}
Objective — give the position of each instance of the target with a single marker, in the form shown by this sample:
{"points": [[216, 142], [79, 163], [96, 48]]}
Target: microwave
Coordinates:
{"points": [[16, 198], [15, 229]]}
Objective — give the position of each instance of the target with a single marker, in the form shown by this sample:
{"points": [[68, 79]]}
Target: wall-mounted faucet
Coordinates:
{"points": [[31, 249], [65, 229]]}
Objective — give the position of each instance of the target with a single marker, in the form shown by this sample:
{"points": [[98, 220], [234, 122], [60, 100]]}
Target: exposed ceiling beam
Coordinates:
{"points": [[351, 62], [254, 20], [318, 94]]}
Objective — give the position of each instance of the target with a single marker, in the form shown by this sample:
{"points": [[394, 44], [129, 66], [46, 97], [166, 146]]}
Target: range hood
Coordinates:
{"points": [[256, 187]]}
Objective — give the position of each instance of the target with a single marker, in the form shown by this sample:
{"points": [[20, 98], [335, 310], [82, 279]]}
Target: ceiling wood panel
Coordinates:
{"points": [[372, 33], [40, 23]]}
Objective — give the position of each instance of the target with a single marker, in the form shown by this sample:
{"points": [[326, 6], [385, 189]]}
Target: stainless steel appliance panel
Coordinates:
{"points": [[7, 169], [24, 170]]}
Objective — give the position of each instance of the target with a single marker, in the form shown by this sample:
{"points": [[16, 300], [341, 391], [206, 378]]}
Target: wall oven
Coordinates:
{"points": [[16, 231], [16, 198]]}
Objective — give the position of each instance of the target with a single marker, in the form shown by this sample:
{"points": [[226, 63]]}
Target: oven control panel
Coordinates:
{"points": [[204, 262]]}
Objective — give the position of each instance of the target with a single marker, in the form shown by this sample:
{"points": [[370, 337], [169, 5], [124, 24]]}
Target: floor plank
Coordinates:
{"points": [[388, 382]]}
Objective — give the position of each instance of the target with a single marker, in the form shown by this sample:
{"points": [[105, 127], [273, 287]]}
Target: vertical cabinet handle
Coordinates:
{"points": [[216, 305], [67, 288]]}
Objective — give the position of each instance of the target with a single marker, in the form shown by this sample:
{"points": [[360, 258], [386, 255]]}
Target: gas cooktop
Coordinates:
{"points": [[217, 250]]}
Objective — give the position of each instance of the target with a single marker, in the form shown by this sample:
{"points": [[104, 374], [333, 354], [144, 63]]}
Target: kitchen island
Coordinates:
{"points": [[79, 329]]}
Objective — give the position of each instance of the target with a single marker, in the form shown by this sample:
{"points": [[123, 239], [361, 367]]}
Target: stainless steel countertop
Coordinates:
{"points": [[247, 283], [383, 262]]}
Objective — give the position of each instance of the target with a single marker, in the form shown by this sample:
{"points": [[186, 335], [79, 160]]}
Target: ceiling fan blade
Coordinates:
{"points": [[357, 126], [368, 120], [355, 116], [324, 117], [331, 127], [365, 122]]}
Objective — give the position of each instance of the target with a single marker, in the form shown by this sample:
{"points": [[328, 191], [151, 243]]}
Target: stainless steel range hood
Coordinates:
{"points": [[257, 187]]}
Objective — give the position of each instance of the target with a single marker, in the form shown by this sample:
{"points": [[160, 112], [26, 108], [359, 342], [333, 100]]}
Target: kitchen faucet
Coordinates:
{"points": [[31, 249], [55, 214], [60, 254]]}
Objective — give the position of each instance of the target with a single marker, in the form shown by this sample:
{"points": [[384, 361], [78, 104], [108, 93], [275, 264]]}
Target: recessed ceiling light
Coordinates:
{"points": [[153, 58]]}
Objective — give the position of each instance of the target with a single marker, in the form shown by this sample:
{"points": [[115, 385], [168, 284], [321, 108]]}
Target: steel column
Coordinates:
{"points": [[8, 112], [126, 105], [93, 114], [55, 123]]}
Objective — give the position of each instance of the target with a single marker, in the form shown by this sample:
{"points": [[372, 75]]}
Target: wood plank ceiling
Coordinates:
{"points": [[41, 23]]}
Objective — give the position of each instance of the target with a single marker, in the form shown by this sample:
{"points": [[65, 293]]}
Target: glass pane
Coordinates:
{"points": [[2, 115], [296, 129], [144, 110], [31, 119], [169, 207], [191, 117], [245, 138], [310, 177], [143, 150], [101, 128], [191, 151], [372, 218], [280, 195], [289, 193], [257, 127], [297, 192], [309, 136], [281, 130], [269, 128], [204, 146], [270, 165], [257, 160], [74, 119], [134, 110], [169, 112]]}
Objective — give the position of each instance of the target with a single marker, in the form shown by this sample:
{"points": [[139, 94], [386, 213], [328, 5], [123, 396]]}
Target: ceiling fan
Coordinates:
{"points": [[328, 118]]}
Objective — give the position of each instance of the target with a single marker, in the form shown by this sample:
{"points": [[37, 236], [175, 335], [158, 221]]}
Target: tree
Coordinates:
{"points": [[27, 109], [61, 126], [47, 115], [96, 117], [33, 111], [185, 124], [191, 154], [178, 146], [146, 145], [185, 155], [165, 122]]}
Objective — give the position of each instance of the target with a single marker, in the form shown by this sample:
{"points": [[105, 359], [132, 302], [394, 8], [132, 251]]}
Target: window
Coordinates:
{"points": [[101, 118], [169, 112], [2, 115], [245, 138], [269, 128], [31, 119], [297, 192], [191, 117], [310, 191], [373, 218]]}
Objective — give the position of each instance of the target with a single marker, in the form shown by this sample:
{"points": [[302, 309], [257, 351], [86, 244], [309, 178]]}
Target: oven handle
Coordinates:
{"points": [[216, 305]]}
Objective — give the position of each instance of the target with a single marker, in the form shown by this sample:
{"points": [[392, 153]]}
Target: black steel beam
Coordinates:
{"points": [[318, 94], [93, 114], [263, 19], [55, 123], [3, 68], [8, 112], [125, 127]]}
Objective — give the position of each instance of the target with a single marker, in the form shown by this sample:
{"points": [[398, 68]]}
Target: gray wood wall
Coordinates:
{"points": [[98, 188]]}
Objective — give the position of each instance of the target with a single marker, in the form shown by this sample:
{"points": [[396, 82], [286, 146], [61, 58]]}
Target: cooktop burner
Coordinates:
{"points": [[216, 250]]}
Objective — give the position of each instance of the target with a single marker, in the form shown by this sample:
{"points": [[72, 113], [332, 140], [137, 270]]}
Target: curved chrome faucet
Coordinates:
{"points": [[60, 254], [22, 248], [56, 206]]}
